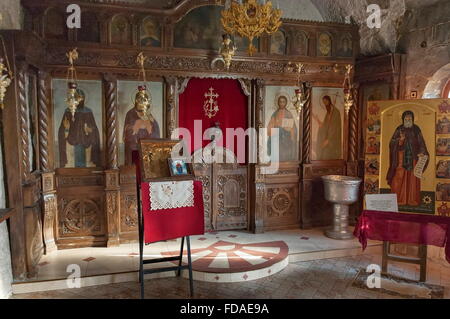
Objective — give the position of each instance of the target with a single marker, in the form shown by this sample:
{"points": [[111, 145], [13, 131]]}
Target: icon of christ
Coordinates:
{"points": [[406, 149]]}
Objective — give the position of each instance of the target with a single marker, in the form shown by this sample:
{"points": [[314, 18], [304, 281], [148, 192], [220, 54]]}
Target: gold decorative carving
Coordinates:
{"points": [[280, 202], [211, 105], [81, 216], [249, 19]]}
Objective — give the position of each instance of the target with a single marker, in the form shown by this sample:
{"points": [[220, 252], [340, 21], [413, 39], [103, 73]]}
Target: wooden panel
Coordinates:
{"points": [[281, 206], [203, 173], [230, 210], [81, 208], [280, 196], [128, 220]]}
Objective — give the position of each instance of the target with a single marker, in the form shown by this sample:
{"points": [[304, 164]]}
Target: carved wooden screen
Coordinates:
{"points": [[79, 163]]}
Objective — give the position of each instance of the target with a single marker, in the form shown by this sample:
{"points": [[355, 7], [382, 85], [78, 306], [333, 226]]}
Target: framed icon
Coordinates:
{"points": [[178, 167]]}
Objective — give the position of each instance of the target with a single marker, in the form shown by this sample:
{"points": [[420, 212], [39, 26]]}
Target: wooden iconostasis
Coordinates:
{"points": [[70, 182]]}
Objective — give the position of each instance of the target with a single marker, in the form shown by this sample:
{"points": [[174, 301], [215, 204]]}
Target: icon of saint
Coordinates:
{"points": [[78, 137], [139, 124], [329, 133], [150, 35], [284, 121], [406, 147]]}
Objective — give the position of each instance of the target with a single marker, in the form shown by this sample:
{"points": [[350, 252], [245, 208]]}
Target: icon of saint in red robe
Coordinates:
{"points": [[139, 124], [406, 148]]}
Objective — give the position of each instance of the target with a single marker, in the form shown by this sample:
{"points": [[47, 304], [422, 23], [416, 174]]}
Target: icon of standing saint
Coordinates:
{"points": [[78, 137], [139, 124], [407, 149]]}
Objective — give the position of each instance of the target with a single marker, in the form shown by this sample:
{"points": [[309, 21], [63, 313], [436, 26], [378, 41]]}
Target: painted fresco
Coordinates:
{"points": [[346, 46], [200, 29], [150, 35], [324, 45], [299, 45], [278, 43], [120, 30]]}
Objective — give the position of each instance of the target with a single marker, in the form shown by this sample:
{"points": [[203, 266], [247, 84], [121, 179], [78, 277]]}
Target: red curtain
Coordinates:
{"points": [[232, 108]]}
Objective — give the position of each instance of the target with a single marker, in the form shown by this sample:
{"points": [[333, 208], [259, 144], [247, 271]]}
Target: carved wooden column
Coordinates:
{"points": [[50, 211], [171, 98], [258, 187], [44, 84], [48, 175], [23, 116], [307, 176], [352, 162], [112, 192], [110, 84], [112, 189]]}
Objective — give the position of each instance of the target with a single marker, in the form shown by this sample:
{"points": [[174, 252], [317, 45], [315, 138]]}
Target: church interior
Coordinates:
{"points": [[224, 149]]}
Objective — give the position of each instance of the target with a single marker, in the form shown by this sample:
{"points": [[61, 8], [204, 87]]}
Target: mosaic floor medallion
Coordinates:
{"points": [[243, 261]]}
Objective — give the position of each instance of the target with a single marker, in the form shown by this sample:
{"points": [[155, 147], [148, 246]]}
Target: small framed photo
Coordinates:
{"points": [[179, 167]]}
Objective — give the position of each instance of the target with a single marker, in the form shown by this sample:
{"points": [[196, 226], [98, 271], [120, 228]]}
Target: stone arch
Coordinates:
{"points": [[437, 84]]}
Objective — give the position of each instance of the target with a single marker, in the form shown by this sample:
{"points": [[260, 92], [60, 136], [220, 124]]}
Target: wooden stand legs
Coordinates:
{"points": [[420, 260], [178, 258]]}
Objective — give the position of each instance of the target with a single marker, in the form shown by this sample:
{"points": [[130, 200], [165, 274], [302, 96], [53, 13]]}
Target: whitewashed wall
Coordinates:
{"points": [[11, 14], [5, 256]]}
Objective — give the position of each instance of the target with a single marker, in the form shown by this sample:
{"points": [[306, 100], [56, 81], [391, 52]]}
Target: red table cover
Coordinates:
{"points": [[172, 223], [404, 228], [164, 224]]}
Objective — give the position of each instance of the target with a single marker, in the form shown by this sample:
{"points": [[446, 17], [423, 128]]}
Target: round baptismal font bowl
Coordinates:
{"points": [[341, 191]]}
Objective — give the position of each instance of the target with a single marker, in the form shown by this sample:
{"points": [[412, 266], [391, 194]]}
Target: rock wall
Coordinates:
{"points": [[425, 38], [420, 29]]}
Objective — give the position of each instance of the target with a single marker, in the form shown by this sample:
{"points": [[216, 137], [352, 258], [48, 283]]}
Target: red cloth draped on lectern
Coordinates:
{"points": [[164, 224], [404, 228], [232, 104]]}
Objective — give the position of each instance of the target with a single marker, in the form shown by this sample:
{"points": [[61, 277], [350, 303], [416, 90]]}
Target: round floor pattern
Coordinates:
{"points": [[225, 261]]}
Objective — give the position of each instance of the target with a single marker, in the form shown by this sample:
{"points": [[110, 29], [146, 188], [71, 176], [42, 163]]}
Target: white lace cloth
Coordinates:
{"points": [[176, 194]]}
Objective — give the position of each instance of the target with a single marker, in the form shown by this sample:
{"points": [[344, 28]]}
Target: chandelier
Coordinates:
{"points": [[300, 97], [349, 90], [249, 19], [143, 98], [73, 98]]}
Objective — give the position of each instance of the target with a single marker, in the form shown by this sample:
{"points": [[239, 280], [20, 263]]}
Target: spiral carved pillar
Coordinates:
{"points": [[171, 98], [111, 121], [112, 188], [352, 164], [43, 109], [48, 176], [23, 117], [306, 140], [258, 186], [306, 176]]}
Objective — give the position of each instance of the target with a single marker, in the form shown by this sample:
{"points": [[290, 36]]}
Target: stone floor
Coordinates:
{"points": [[325, 278], [94, 261]]}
